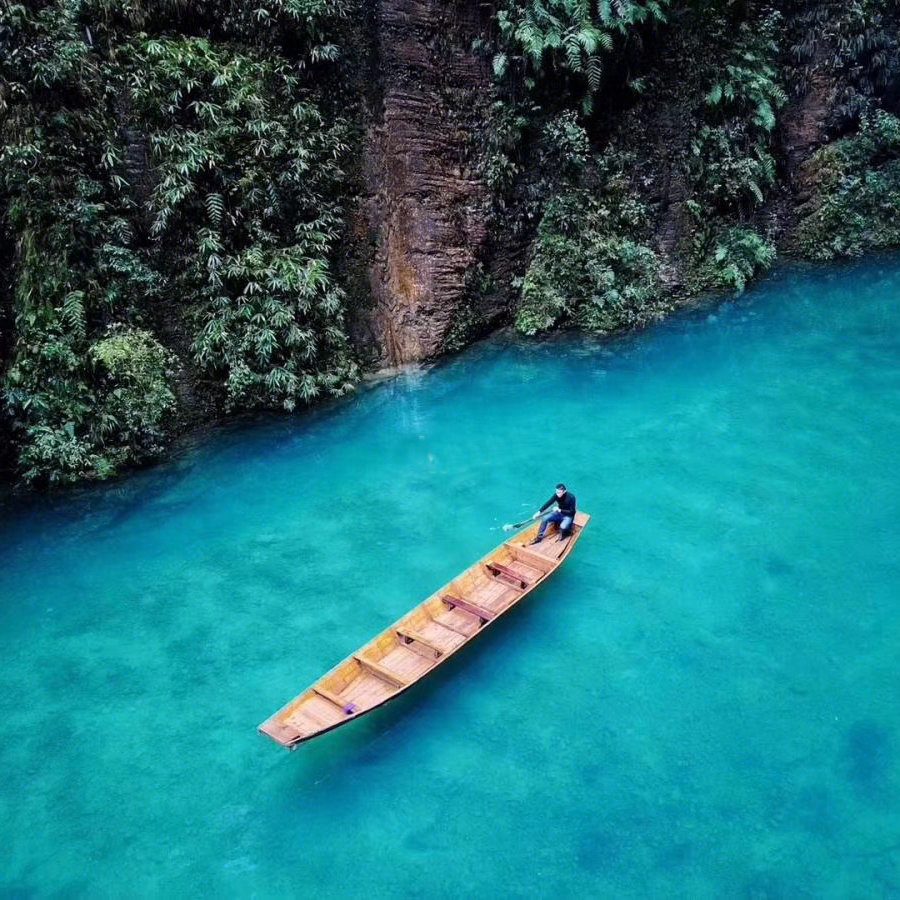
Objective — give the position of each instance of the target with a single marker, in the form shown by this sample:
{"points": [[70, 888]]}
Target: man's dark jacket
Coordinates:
{"points": [[566, 503]]}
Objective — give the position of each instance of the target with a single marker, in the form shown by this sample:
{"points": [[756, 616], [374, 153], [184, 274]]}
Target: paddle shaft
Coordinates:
{"points": [[519, 525], [522, 524], [527, 521]]}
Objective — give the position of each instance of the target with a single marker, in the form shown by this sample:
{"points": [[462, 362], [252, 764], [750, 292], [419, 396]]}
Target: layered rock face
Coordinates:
{"points": [[425, 213]]}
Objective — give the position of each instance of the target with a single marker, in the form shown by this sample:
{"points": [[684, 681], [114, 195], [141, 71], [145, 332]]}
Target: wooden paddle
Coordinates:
{"points": [[519, 525]]}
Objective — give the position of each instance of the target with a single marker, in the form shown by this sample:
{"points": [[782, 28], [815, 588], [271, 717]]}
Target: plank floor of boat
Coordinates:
{"points": [[551, 547], [443, 638], [366, 691], [530, 573], [458, 620], [493, 596], [314, 714], [408, 664]]}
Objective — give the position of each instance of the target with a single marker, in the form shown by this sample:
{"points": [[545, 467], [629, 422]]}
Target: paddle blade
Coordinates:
{"points": [[517, 526]]}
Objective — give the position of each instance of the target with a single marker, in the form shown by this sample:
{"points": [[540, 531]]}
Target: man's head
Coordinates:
{"points": [[560, 489]]}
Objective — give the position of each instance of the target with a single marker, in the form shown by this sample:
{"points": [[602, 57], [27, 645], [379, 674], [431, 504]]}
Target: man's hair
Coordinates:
{"points": [[560, 485]]}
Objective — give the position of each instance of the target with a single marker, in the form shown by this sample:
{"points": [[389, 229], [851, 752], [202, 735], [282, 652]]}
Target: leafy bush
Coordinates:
{"points": [[78, 266], [563, 146], [238, 147], [499, 147], [857, 43], [855, 193], [586, 270], [526, 156], [739, 255], [195, 181], [133, 374], [732, 173], [84, 424]]}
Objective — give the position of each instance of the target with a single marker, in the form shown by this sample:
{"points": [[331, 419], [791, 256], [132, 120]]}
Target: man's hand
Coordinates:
{"points": [[537, 515]]}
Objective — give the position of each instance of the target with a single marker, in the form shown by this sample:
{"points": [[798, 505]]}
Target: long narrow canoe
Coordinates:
{"points": [[428, 636]]}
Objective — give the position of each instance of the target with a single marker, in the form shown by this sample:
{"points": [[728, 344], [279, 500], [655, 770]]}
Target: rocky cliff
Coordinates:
{"points": [[423, 212]]}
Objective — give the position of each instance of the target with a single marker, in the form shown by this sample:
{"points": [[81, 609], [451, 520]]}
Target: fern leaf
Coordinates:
{"points": [[215, 209], [765, 117], [573, 52], [73, 313], [594, 71]]}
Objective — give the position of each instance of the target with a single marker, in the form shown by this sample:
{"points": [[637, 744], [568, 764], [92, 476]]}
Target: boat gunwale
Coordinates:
{"points": [[581, 522]]}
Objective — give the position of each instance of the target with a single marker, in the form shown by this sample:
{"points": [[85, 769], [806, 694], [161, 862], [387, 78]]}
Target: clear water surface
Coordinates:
{"points": [[703, 703]]}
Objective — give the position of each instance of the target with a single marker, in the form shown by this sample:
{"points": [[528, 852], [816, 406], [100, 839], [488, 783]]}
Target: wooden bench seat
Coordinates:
{"points": [[382, 672], [419, 643], [346, 708], [484, 614], [507, 576]]}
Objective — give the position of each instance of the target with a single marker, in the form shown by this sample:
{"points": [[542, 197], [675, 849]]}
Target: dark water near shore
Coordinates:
{"points": [[703, 703]]}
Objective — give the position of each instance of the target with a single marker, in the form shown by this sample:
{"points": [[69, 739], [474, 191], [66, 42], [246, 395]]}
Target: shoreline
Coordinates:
{"points": [[14, 492]]}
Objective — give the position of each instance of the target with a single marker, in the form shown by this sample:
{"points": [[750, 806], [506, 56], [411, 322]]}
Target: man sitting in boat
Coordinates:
{"points": [[563, 515]]}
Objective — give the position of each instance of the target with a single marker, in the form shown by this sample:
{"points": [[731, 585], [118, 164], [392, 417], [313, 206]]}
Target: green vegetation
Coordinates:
{"points": [[543, 148], [588, 269], [526, 157], [248, 181], [856, 198], [189, 183], [853, 183], [176, 176], [499, 152], [79, 267], [856, 44], [731, 161], [739, 255], [731, 166], [568, 38], [588, 264], [469, 323], [592, 263]]}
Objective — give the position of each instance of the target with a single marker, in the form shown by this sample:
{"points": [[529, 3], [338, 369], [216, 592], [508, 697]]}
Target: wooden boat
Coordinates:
{"points": [[422, 640]]}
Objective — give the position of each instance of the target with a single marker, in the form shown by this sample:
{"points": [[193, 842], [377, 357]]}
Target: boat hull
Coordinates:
{"points": [[426, 637]]}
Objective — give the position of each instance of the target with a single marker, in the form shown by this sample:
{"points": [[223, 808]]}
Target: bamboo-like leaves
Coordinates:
{"points": [[243, 201]]}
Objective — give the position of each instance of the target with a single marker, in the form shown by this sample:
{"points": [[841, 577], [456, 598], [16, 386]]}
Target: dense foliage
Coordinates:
{"points": [[589, 267], [856, 199], [569, 38], [249, 175], [79, 268], [731, 161], [175, 177], [855, 44], [188, 186], [854, 182]]}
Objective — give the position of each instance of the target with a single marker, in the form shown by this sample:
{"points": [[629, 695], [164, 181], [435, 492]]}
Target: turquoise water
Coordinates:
{"points": [[703, 703]]}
